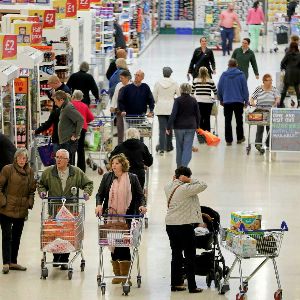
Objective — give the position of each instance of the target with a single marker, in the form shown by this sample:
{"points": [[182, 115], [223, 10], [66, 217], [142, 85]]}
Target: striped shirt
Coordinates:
{"points": [[203, 91], [265, 98]]}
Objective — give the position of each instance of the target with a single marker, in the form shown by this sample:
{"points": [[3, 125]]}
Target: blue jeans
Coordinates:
{"points": [[184, 144], [227, 34], [165, 140]]}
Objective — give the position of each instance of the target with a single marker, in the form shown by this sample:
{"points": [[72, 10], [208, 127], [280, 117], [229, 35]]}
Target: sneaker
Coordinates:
{"points": [[170, 149], [229, 144], [161, 152], [17, 267], [241, 141], [196, 290], [5, 269]]}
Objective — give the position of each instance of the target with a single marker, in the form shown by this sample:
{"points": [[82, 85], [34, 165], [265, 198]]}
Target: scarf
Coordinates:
{"points": [[120, 195]]}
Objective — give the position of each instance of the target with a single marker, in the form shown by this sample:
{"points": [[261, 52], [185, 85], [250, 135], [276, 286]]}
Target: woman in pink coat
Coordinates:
{"points": [[87, 117]]}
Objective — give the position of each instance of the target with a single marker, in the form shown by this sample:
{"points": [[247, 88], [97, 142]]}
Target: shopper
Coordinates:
{"points": [[69, 125], [291, 8], [233, 95], [56, 85], [17, 187], [120, 53], [294, 38], [183, 213], [115, 78], [137, 154], [255, 20], [85, 82], [244, 55], [264, 96], [291, 65], [202, 57], [120, 193], [57, 181], [227, 19], [120, 42], [125, 78], [87, 118], [135, 97], [203, 87], [8, 150], [185, 119], [164, 92]]}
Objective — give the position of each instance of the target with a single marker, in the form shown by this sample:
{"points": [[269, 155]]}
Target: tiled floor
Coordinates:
{"points": [[235, 182]]}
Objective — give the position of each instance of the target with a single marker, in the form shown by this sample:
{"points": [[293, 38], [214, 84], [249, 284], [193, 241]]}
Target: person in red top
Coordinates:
{"points": [[227, 18], [87, 117]]}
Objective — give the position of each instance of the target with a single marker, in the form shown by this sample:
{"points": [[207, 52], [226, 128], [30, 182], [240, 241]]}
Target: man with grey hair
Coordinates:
{"points": [[58, 181], [85, 82], [233, 95]]}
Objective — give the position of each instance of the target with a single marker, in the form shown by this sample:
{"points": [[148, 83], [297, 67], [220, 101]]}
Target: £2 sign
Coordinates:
{"points": [[9, 47], [49, 19], [71, 9], [84, 4]]}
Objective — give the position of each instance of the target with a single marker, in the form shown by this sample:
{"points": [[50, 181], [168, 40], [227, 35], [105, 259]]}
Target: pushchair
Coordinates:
{"points": [[211, 262]]}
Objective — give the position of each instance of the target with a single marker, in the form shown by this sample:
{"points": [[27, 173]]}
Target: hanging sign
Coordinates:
{"points": [[84, 4], [46, 17], [65, 9], [28, 33], [21, 85], [36, 33], [8, 46], [71, 9]]}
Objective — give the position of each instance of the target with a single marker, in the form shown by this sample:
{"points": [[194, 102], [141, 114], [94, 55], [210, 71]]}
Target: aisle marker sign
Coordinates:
{"points": [[8, 46], [84, 4], [47, 17], [71, 8]]}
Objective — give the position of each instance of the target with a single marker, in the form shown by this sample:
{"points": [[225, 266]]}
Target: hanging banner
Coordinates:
{"points": [[28, 33], [71, 9], [46, 17], [65, 9], [96, 1], [36, 33], [84, 4], [8, 46]]}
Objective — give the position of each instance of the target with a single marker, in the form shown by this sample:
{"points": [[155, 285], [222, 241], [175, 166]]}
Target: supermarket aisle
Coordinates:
{"points": [[235, 182]]}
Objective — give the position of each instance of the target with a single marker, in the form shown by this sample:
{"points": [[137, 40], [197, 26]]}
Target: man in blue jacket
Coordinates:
{"points": [[233, 95]]}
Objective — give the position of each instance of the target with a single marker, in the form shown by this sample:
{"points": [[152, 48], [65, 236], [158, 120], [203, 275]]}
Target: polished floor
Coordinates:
{"points": [[235, 182]]}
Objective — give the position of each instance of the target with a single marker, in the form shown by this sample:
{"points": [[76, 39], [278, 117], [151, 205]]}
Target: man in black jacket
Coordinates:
{"points": [[120, 53], [202, 57], [84, 82], [8, 150]]}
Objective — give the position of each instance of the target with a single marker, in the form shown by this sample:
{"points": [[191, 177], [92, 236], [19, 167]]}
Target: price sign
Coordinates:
{"points": [[84, 4], [71, 8], [49, 19], [36, 33], [9, 47]]}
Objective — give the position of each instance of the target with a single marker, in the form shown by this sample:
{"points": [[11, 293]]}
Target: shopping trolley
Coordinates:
{"points": [[245, 244], [100, 134], [214, 114], [98, 107], [281, 33], [259, 116], [143, 123], [119, 231], [146, 194], [62, 230]]}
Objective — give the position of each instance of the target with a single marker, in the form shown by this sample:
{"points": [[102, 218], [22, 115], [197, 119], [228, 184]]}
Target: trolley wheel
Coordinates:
{"points": [[146, 222], [226, 271], [248, 149], [94, 167], [208, 280], [82, 265], [103, 288], [224, 288], [217, 280], [42, 263], [70, 274], [88, 161], [100, 171], [44, 273], [126, 289], [244, 288], [240, 296], [139, 281], [99, 280], [278, 295]]}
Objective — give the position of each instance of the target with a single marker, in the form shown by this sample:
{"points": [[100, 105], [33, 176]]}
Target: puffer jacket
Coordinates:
{"points": [[17, 187]]}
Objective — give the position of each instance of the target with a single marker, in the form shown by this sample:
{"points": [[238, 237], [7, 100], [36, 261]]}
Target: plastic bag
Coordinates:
{"points": [[64, 214], [211, 139], [94, 141], [59, 246]]}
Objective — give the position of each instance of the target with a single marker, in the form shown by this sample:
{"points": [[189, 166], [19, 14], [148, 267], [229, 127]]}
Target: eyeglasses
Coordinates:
{"points": [[60, 158], [268, 80]]}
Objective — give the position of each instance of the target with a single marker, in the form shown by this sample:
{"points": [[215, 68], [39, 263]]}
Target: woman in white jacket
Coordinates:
{"points": [[164, 93]]}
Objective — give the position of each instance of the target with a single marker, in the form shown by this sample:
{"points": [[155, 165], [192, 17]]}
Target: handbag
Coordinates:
{"points": [[211, 139], [214, 110], [46, 153], [171, 196]]}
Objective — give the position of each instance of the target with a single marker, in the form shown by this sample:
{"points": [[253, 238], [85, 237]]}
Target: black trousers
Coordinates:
{"points": [[237, 108], [12, 229], [71, 147], [141, 176], [205, 111], [182, 239], [284, 91], [80, 151], [121, 253]]}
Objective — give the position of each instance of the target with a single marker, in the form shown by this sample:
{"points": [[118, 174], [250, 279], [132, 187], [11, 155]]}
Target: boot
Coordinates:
{"points": [[124, 268], [116, 270]]}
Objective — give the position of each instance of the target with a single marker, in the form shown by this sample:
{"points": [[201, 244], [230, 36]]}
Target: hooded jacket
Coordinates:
{"points": [[232, 87], [136, 152], [17, 187], [291, 64], [163, 94]]}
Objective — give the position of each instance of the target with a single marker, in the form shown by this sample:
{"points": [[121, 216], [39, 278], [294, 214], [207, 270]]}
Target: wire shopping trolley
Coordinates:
{"points": [[245, 244], [62, 230], [119, 231]]}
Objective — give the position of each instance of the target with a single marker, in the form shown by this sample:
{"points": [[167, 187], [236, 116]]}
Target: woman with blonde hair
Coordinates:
{"points": [[120, 193], [203, 87]]}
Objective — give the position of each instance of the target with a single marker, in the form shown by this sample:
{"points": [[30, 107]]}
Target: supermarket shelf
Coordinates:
{"points": [[61, 67], [44, 78], [46, 63]]}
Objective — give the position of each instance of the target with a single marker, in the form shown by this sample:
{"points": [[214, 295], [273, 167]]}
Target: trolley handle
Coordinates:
{"points": [[283, 227], [135, 116], [64, 198], [122, 215]]}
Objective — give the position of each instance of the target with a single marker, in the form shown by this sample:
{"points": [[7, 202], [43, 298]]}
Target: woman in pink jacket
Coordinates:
{"points": [[255, 19], [87, 117]]}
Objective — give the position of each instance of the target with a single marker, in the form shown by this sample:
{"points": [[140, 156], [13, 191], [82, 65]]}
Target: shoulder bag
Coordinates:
{"points": [[171, 196]]}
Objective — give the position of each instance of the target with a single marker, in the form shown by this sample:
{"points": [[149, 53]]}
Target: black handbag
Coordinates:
{"points": [[282, 38]]}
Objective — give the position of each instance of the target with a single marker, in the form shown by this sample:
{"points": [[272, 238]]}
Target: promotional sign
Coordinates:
{"points": [[65, 9], [84, 4], [46, 17], [36, 33], [21, 85], [28, 33], [8, 46], [71, 8]]}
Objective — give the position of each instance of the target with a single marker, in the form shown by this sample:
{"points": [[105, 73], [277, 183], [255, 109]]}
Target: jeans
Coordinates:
{"points": [[11, 236], [80, 151], [182, 239], [237, 108], [254, 31], [71, 147], [227, 34], [205, 111], [184, 144], [284, 90], [260, 133], [165, 140]]}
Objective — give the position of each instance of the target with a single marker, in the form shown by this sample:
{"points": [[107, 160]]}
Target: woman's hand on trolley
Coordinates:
{"points": [[98, 210], [143, 209]]}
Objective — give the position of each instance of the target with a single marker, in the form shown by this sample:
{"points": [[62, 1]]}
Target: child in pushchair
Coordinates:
{"points": [[211, 262]]}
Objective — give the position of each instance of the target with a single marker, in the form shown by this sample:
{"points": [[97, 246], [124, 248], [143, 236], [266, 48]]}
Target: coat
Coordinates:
{"points": [[291, 64], [8, 150], [17, 187], [138, 198]]}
